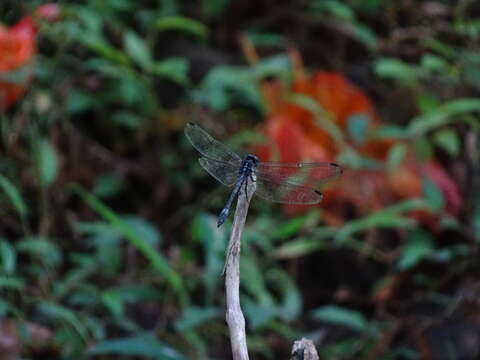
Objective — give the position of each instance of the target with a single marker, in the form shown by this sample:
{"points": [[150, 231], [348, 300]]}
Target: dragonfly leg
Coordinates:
{"points": [[246, 183], [246, 188]]}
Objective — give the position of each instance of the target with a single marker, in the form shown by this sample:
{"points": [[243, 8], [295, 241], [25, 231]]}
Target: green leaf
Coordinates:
{"points": [[137, 49], [434, 63], [357, 126], [258, 313], [273, 66], [391, 68], [108, 185], [214, 7], [78, 274], [62, 314], [193, 317], [116, 298], [423, 148], [79, 101], [389, 131], [448, 254], [41, 248], [14, 196], [344, 349], [158, 261], [427, 102], [336, 315], [299, 247], [96, 326], [4, 308], [417, 248], [476, 216], [181, 23], [174, 69], [99, 45], [143, 229], [290, 305], [333, 8], [352, 159], [396, 155], [8, 257], [132, 91], [128, 120], [290, 227], [376, 220], [253, 279], [433, 195], [113, 302], [106, 241], [10, 282], [266, 38], [47, 162], [444, 49], [366, 35], [442, 115], [321, 116], [448, 140], [137, 293], [90, 19], [19, 75], [214, 242], [346, 14], [304, 246], [389, 217], [224, 84], [142, 346]]}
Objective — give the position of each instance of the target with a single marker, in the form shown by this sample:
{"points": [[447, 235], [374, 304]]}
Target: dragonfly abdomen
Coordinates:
{"points": [[226, 209]]}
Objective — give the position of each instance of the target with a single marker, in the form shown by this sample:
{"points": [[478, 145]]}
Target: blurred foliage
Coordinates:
{"points": [[108, 239]]}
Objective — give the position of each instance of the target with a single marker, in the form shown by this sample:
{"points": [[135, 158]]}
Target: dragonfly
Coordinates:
{"points": [[281, 182]]}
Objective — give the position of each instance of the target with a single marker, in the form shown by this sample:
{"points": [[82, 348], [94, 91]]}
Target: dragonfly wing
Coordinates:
{"points": [[303, 174], [224, 172], [284, 192], [209, 147]]}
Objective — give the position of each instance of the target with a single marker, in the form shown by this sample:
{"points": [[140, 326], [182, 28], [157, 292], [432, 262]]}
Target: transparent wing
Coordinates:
{"points": [[224, 172], [283, 192], [303, 174], [209, 147]]}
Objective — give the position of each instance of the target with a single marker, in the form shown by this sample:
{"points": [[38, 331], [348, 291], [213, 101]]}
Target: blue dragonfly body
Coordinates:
{"points": [[245, 174]]}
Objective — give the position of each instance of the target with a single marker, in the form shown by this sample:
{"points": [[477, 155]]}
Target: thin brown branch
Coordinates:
{"points": [[234, 315]]}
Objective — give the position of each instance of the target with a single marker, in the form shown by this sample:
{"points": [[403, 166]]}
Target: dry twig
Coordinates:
{"points": [[234, 315], [304, 349]]}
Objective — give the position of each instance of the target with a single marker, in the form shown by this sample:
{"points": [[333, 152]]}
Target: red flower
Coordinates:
{"points": [[17, 49], [289, 142], [296, 135]]}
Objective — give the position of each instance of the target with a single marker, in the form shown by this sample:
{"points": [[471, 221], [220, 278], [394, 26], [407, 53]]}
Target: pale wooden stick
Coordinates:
{"points": [[304, 349], [234, 315]]}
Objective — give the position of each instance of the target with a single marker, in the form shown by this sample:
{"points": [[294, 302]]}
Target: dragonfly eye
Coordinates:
{"points": [[253, 157]]}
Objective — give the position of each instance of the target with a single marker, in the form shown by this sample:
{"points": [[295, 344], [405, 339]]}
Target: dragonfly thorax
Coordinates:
{"points": [[248, 165]]}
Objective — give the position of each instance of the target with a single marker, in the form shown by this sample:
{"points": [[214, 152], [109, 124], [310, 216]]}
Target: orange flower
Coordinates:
{"points": [[17, 49], [295, 135], [289, 142]]}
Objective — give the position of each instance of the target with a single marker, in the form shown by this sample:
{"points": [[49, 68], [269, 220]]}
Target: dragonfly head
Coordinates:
{"points": [[253, 158]]}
